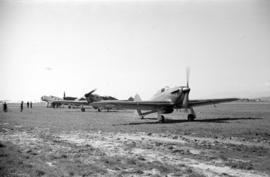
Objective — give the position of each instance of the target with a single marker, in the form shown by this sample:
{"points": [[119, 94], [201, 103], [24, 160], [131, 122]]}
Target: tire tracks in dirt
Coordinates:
{"points": [[87, 153]]}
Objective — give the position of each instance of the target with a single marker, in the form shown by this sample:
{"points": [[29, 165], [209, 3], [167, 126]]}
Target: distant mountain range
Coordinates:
{"points": [[265, 98], [259, 99]]}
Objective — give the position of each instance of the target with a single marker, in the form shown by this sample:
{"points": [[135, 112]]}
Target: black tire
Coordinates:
{"points": [[99, 110], [162, 119], [191, 117], [83, 109]]}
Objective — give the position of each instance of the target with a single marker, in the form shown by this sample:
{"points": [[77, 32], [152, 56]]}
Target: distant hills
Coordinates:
{"points": [[265, 98], [260, 99]]}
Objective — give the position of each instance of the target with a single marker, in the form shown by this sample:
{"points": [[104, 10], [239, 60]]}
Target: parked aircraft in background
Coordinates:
{"points": [[90, 97], [163, 102], [72, 98], [54, 102], [50, 100]]}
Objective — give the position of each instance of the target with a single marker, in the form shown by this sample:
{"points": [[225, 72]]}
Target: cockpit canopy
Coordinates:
{"points": [[164, 89]]}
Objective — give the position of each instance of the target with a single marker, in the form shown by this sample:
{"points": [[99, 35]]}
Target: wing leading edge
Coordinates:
{"points": [[210, 101], [143, 105], [69, 102], [153, 105]]}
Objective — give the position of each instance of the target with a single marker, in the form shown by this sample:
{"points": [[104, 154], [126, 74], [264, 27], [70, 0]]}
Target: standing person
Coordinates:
{"points": [[21, 106], [31, 104], [27, 104], [5, 108]]}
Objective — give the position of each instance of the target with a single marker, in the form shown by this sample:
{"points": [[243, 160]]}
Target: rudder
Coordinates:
{"points": [[137, 98]]}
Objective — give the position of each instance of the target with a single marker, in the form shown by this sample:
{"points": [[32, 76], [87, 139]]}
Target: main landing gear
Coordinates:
{"points": [[191, 114], [191, 117], [141, 114], [161, 118]]}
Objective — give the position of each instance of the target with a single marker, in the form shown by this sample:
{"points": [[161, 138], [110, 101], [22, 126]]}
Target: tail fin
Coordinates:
{"points": [[137, 98], [139, 111]]}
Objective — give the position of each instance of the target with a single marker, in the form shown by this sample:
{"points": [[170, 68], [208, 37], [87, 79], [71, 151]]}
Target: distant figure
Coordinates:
{"points": [[31, 104], [21, 106], [27, 104], [5, 108]]}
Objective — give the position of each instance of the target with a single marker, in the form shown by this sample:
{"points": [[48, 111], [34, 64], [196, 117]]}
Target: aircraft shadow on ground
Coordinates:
{"points": [[90, 110], [171, 121]]}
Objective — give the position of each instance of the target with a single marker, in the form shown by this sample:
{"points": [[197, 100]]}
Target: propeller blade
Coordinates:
{"points": [[92, 91], [186, 90], [187, 76], [186, 99], [88, 94]]}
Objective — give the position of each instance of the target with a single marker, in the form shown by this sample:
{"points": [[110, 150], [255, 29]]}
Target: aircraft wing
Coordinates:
{"points": [[210, 101], [142, 105], [153, 105], [69, 102]]}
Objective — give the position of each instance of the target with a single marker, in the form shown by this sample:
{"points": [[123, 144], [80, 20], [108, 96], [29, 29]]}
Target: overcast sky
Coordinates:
{"points": [[127, 47]]}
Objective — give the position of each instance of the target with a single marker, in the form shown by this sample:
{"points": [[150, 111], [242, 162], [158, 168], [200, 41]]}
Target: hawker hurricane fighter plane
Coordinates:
{"points": [[56, 102], [163, 102], [53, 101]]}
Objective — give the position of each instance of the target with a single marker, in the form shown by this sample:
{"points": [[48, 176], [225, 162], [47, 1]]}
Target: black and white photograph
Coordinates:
{"points": [[134, 88]]}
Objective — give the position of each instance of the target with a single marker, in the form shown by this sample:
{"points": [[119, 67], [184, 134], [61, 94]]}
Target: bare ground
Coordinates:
{"points": [[62, 142]]}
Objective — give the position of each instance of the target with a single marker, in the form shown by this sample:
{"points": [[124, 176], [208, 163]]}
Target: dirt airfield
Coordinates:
{"points": [[230, 140]]}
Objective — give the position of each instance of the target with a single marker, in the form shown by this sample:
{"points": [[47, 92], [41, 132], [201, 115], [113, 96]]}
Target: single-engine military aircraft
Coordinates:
{"points": [[56, 102], [53, 101], [163, 102]]}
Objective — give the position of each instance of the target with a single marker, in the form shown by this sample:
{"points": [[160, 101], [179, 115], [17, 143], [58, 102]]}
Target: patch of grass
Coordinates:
{"points": [[39, 173], [240, 165], [192, 173]]}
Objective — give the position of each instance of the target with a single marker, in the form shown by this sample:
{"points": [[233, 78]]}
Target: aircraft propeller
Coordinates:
{"points": [[90, 93], [187, 76], [186, 90]]}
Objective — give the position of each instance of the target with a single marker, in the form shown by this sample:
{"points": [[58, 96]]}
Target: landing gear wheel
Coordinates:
{"points": [[99, 110], [83, 109], [69, 107], [191, 117], [162, 119], [142, 117]]}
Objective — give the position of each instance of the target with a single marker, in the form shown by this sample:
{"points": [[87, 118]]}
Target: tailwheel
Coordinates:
{"points": [[191, 117], [83, 109], [142, 117]]}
